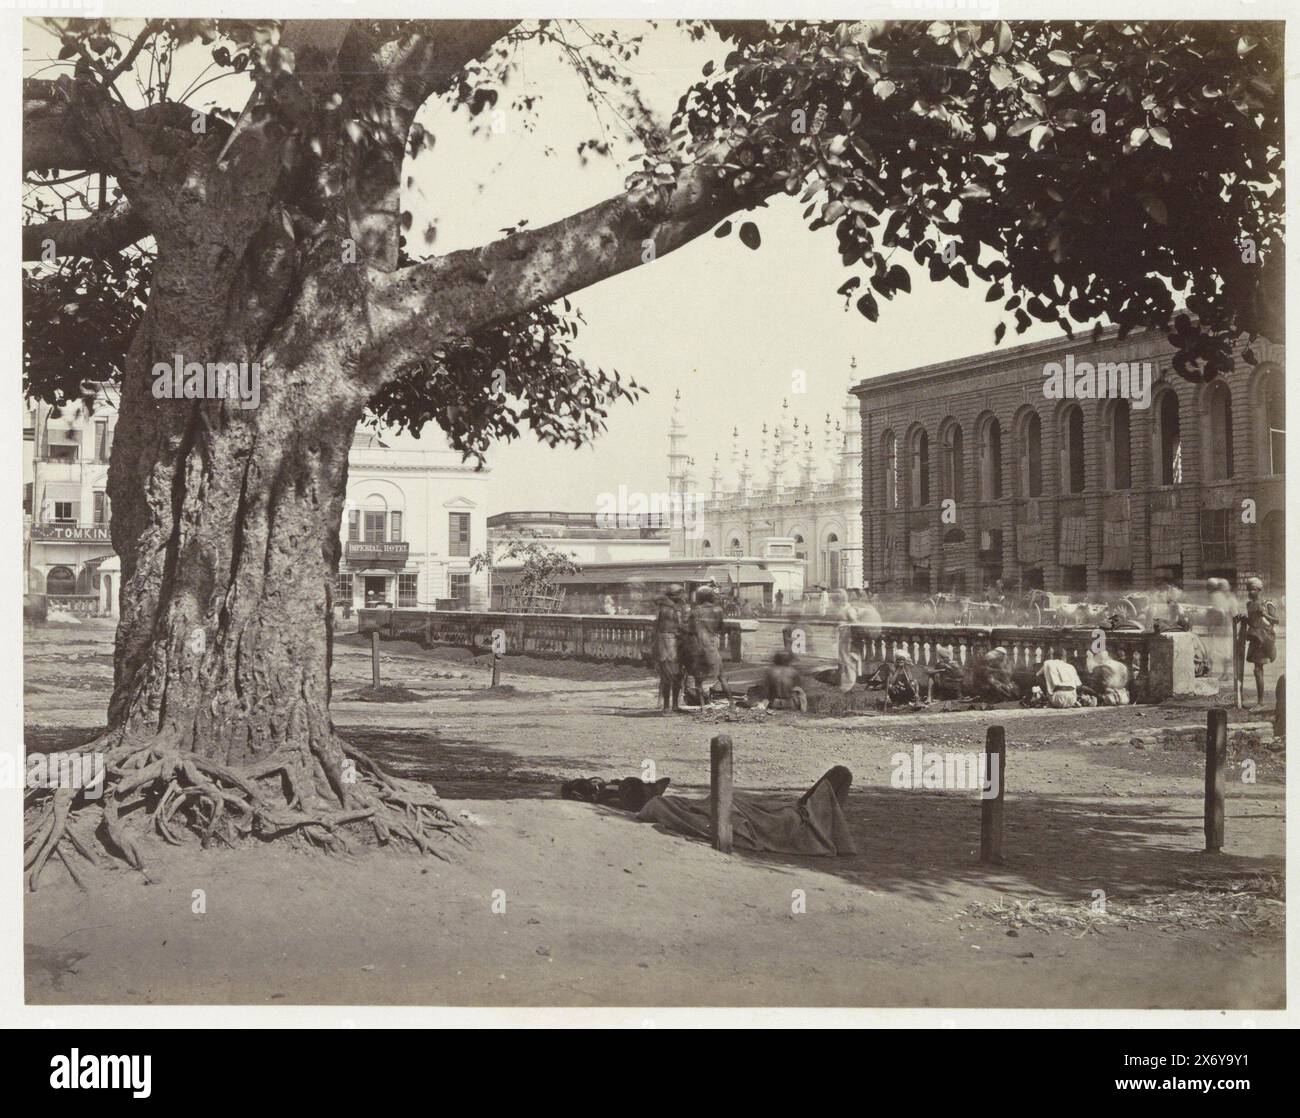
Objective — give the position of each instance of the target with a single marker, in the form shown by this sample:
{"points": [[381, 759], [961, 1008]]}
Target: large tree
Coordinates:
{"points": [[1083, 172]]}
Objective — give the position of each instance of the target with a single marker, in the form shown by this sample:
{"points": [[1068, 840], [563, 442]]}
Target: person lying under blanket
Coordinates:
{"points": [[812, 824]]}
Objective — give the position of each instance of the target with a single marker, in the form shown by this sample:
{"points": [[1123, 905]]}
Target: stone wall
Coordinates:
{"points": [[568, 636]]}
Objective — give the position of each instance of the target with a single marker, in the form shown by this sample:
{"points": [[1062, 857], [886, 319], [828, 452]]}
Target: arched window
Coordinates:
{"points": [[830, 571], [60, 580], [733, 548], [918, 471], [952, 474], [1117, 462], [1072, 461], [1272, 417], [1031, 455], [1169, 440], [706, 547], [1218, 432], [991, 460], [891, 470]]}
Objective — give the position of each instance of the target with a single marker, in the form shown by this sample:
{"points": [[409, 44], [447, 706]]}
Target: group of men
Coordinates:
{"points": [[992, 678], [688, 642]]}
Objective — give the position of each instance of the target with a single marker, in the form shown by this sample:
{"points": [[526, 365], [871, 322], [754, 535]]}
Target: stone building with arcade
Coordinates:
{"points": [[971, 472]]}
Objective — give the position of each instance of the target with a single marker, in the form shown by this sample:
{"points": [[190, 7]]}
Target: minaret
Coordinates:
{"points": [[715, 478], [778, 447], [744, 477], [830, 447], [808, 465], [851, 446], [678, 471]]}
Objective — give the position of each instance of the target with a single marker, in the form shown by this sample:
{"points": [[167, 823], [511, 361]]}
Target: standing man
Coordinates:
{"points": [[703, 659], [1261, 641], [670, 615]]}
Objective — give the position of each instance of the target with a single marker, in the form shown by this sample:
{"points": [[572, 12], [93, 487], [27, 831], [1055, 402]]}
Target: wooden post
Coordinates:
{"points": [[1216, 776], [1238, 660], [374, 656], [720, 791], [1279, 708], [496, 669], [995, 762]]}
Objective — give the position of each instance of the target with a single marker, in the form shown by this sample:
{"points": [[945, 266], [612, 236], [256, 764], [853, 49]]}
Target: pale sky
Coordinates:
{"points": [[727, 326]]}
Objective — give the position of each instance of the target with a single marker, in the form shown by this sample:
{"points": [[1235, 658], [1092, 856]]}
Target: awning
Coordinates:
{"points": [[373, 573], [748, 573]]}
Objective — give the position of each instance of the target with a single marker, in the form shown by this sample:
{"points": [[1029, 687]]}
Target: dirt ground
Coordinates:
{"points": [[563, 903]]}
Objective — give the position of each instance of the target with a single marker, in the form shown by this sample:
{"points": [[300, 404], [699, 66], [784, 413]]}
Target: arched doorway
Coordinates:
{"points": [[60, 581], [832, 576]]}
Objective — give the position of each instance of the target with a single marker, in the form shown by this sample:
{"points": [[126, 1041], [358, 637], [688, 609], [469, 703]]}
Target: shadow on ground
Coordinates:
{"points": [[926, 844]]}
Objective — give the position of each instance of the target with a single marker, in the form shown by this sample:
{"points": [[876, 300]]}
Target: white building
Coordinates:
{"points": [[584, 537], [414, 516], [803, 497], [65, 501]]}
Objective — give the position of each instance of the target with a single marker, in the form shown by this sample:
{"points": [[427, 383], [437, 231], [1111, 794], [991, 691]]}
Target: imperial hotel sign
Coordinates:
{"points": [[972, 473]]}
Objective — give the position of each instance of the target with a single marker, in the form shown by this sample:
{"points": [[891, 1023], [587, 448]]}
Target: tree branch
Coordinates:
{"points": [[101, 234], [413, 310], [50, 136], [395, 78]]}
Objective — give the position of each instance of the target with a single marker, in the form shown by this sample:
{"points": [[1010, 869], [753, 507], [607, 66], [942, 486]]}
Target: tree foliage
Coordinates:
{"points": [[1083, 172]]}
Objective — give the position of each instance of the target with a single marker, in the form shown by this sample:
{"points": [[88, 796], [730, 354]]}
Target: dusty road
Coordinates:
{"points": [[1100, 901]]}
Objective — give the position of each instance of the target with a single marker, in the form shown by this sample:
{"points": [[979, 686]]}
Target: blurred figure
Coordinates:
{"points": [[1223, 608], [993, 681], [1111, 678]]}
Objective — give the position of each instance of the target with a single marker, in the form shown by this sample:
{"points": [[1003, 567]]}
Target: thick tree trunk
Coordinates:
{"points": [[227, 524]]}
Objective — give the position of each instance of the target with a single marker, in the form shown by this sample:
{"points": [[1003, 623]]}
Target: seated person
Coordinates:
{"points": [[875, 673], [945, 677], [902, 686], [1060, 683], [783, 685], [1111, 678], [993, 681]]}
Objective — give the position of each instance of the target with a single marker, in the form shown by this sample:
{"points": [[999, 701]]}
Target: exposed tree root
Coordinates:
{"points": [[295, 792]]}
